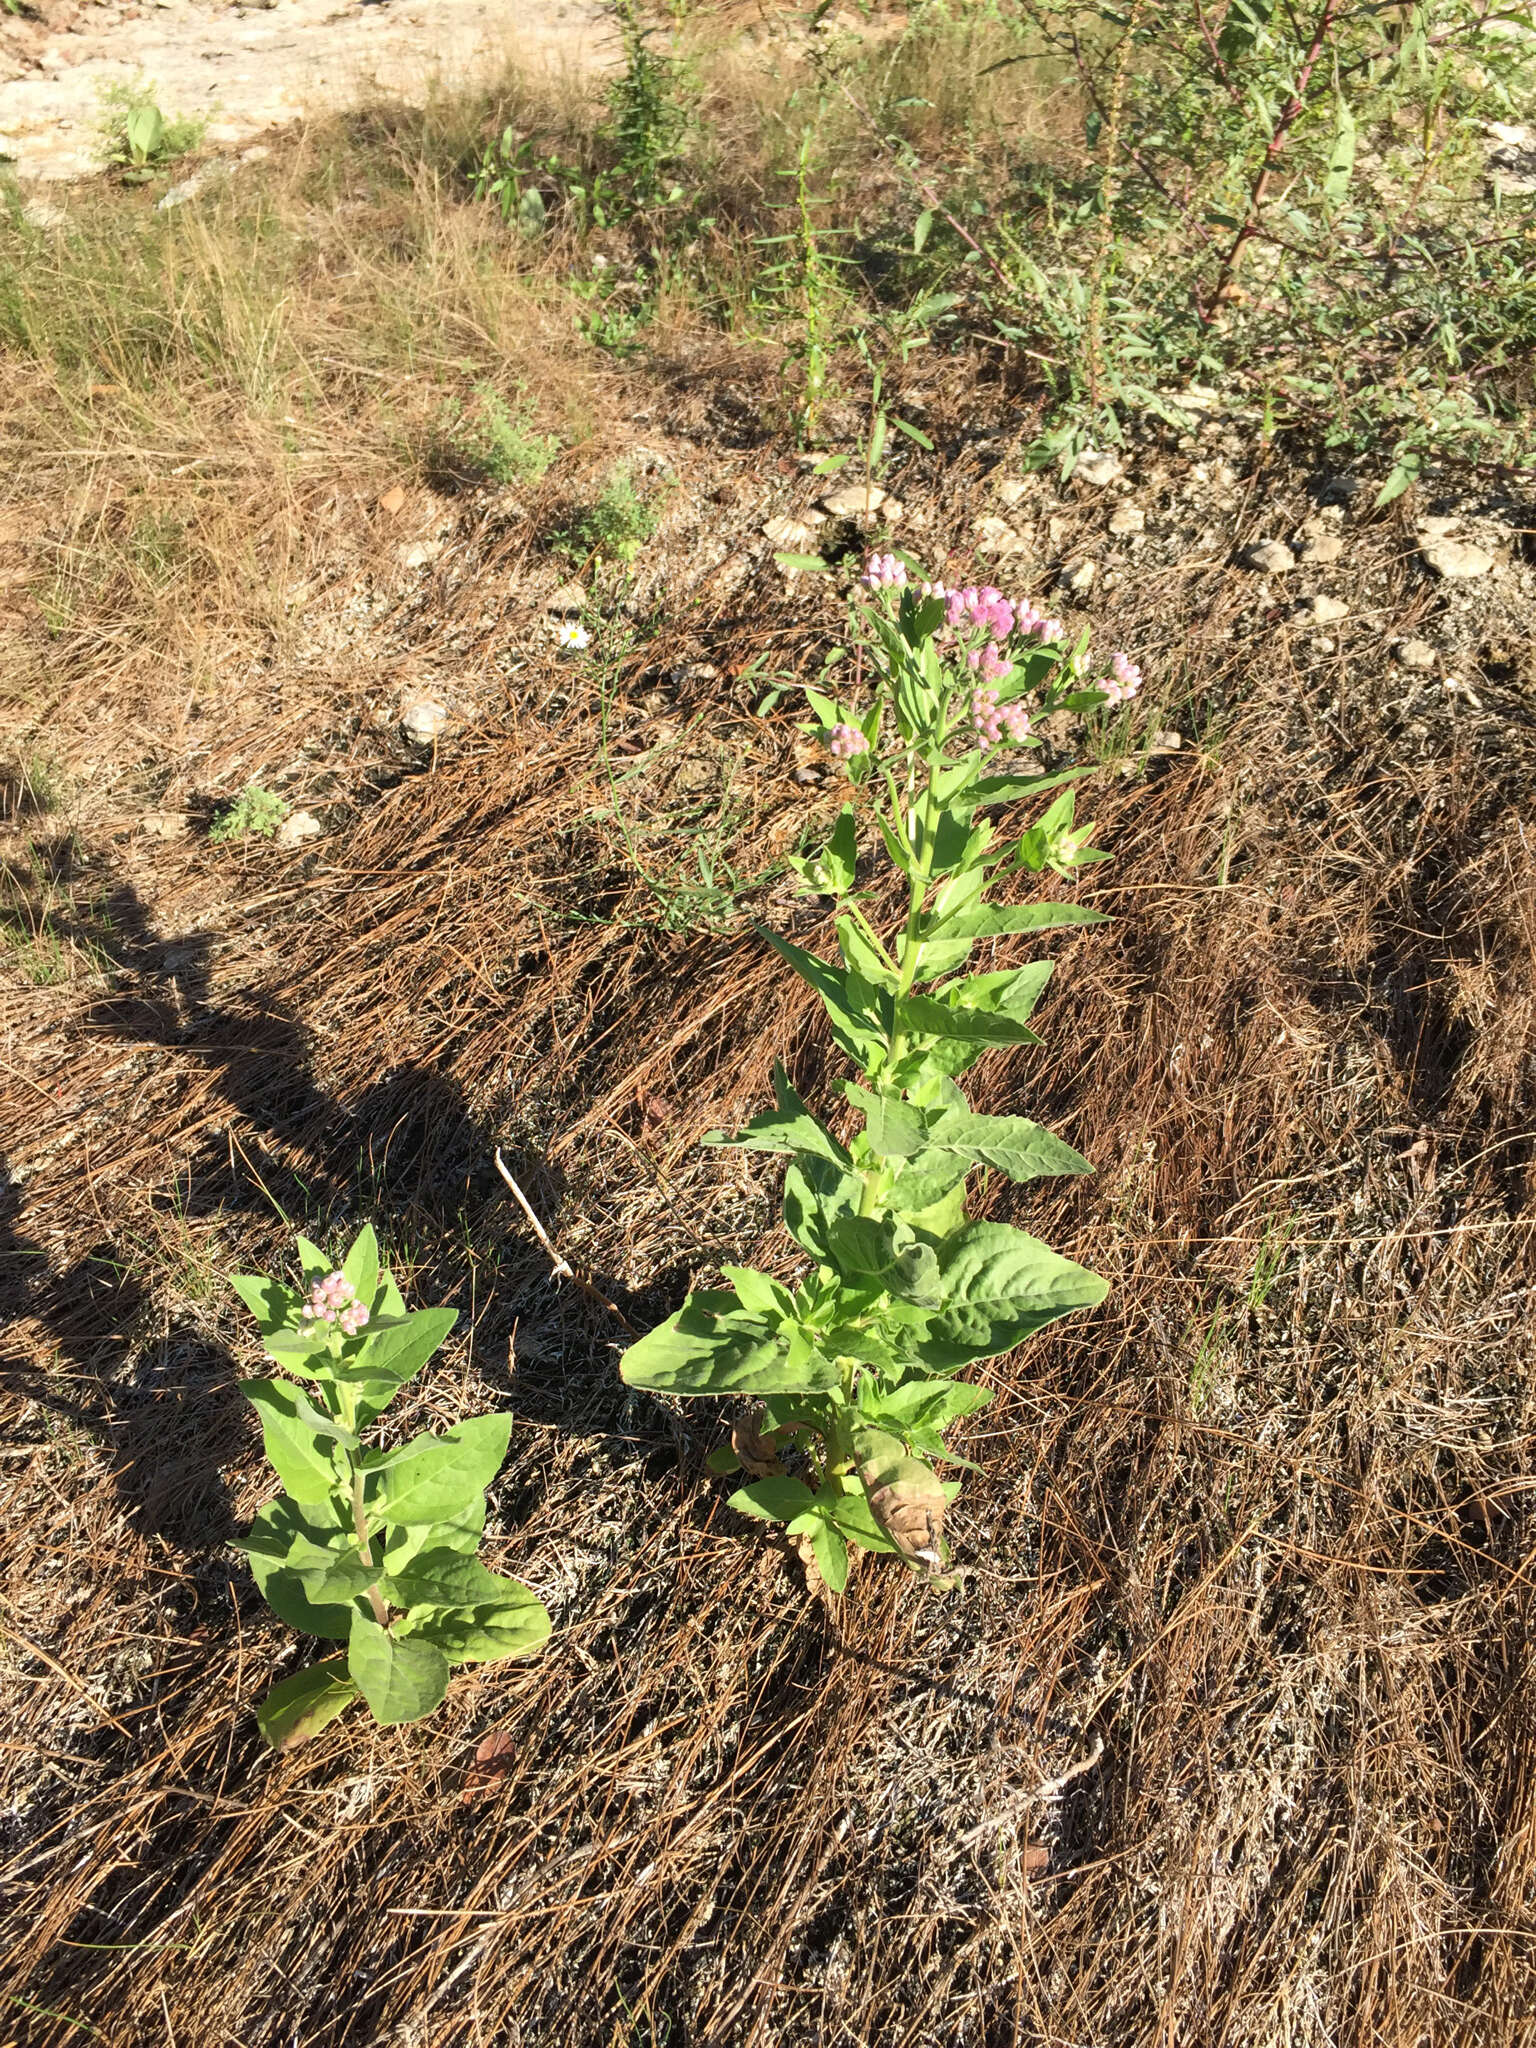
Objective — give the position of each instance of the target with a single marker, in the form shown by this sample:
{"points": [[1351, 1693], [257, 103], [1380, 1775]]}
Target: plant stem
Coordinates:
{"points": [[360, 1523]]}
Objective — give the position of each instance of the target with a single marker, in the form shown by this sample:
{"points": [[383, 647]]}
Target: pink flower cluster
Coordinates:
{"points": [[1036, 626], [883, 572], [844, 741], [334, 1300], [1121, 686], [992, 719], [985, 606]]}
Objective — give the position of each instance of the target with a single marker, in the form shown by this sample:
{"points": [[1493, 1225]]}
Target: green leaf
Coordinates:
{"points": [[850, 1512], [791, 1128], [1009, 789], [850, 1001], [883, 1253], [313, 1263], [760, 1294], [859, 955], [296, 1710], [361, 1265], [706, 1349], [282, 1527], [830, 1549], [810, 565], [401, 1677], [401, 1348], [930, 1017], [1000, 920], [273, 1305], [815, 1194], [1014, 991], [894, 1128], [1000, 1286], [515, 1624], [773, 1500], [1012, 1144], [460, 1533], [297, 1453], [722, 1461], [1341, 159], [921, 229], [440, 1577], [440, 1475]]}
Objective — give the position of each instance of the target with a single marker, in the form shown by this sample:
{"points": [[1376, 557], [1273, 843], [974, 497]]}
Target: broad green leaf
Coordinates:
{"points": [[722, 1461], [815, 1194], [515, 1624], [1012, 991], [895, 1129], [810, 565], [313, 1263], [400, 1677], [760, 1294], [1004, 920], [300, 1457], [337, 1578], [926, 1179], [1012, 1144], [439, 1476], [440, 1577], [791, 1128], [883, 1252], [859, 955], [460, 1533], [401, 1348], [850, 1511], [773, 1500], [298, 1708], [273, 1305], [1009, 789], [361, 1265], [830, 1550], [706, 1349], [278, 1530], [1000, 1286], [931, 1017]]}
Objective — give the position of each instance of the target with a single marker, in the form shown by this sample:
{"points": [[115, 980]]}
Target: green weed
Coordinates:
{"points": [[138, 140], [255, 814]]}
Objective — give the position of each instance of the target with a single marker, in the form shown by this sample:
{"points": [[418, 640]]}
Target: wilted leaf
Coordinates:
{"points": [[297, 1709]]}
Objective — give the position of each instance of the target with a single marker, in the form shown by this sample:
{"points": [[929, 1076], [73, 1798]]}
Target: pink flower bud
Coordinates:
{"points": [[844, 741]]}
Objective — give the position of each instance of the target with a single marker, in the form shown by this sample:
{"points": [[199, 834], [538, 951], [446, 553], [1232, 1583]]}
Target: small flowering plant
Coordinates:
{"points": [[369, 1547], [851, 1373]]}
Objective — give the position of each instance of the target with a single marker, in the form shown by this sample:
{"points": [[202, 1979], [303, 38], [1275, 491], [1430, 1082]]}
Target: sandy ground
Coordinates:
{"points": [[250, 69]]}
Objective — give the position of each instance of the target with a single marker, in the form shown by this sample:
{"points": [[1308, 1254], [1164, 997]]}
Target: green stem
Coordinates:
{"points": [[360, 1523]]}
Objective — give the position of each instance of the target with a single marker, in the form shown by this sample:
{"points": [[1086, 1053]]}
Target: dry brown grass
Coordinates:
{"points": [[1227, 1737]]}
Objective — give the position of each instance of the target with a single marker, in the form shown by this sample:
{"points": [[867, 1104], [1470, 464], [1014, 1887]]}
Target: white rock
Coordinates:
{"points": [[570, 597], [891, 511], [297, 827], [1272, 556], [1435, 525], [423, 719], [793, 535], [1011, 489], [416, 554], [1457, 558], [1097, 466], [1326, 547], [1127, 519], [164, 824], [1325, 609], [1167, 742], [1416, 654], [997, 536], [1078, 576], [854, 501]]}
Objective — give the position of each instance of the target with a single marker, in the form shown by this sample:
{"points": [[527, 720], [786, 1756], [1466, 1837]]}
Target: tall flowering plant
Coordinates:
{"points": [[371, 1547], [852, 1373]]}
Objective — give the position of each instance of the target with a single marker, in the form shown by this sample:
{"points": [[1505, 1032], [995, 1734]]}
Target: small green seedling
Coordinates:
{"points": [[255, 814], [374, 1548]]}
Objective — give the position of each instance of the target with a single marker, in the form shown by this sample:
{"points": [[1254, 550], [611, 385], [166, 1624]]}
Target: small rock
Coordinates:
{"points": [[854, 501], [164, 824], [891, 511], [393, 501], [1127, 519], [1167, 742], [1012, 489], [1435, 525], [419, 553], [1325, 610], [1097, 466], [1321, 644], [297, 827], [1078, 576], [1272, 556], [1326, 547], [1416, 654], [1457, 558], [998, 537], [570, 597], [793, 535], [423, 719]]}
